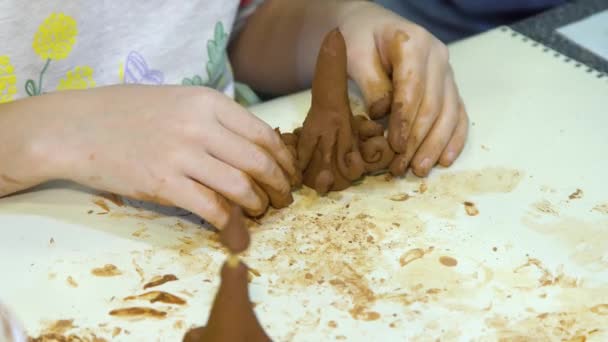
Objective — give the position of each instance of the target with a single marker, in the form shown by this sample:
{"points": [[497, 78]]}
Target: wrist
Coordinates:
{"points": [[31, 141]]}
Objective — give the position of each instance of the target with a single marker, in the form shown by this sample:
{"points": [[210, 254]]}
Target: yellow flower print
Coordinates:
{"points": [[53, 41], [55, 37], [79, 78], [8, 80]]}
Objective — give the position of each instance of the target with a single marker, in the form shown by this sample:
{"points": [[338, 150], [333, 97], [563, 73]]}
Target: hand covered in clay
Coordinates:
{"points": [[189, 147], [402, 68], [327, 144]]}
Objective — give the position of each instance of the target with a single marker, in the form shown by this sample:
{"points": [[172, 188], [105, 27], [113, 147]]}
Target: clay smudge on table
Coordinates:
{"points": [[601, 208], [139, 271], [71, 282], [60, 326], [362, 313], [102, 204], [114, 198], [178, 325], [159, 280], [67, 338], [600, 309], [471, 209], [545, 207], [138, 312], [399, 197], [448, 261], [140, 233], [158, 296], [411, 256], [107, 270], [576, 195], [116, 331]]}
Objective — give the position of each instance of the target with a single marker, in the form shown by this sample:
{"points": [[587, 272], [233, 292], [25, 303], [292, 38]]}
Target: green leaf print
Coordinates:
{"points": [[30, 88], [216, 50], [219, 70], [244, 95]]}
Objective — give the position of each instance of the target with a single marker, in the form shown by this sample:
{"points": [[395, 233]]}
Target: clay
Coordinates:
{"points": [[367, 128], [232, 317], [328, 145], [376, 153], [235, 236]]}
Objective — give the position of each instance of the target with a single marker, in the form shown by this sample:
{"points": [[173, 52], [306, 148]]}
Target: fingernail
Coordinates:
{"points": [[426, 164], [450, 156]]}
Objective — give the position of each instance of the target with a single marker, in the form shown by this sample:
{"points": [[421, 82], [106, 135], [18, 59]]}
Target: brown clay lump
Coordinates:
{"points": [[235, 235], [327, 147], [232, 317], [333, 148]]}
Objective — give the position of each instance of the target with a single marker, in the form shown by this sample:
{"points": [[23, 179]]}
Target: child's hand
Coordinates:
{"points": [[401, 67], [189, 147]]}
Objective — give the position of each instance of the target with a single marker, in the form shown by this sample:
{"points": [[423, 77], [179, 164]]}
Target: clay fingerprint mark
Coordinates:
{"points": [[601, 208], [576, 195], [471, 209], [159, 280], [158, 296], [399, 197], [71, 282], [448, 261], [601, 309], [545, 207], [108, 270], [411, 256], [138, 312]]}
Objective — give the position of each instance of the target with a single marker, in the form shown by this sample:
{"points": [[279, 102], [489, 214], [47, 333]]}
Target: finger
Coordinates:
{"points": [[432, 102], [409, 75], [326, 145], [456, 144], [241, 154], [307, 144], [366, 69], [238, 120], [201, 200], [231, 183], [427, 155]]}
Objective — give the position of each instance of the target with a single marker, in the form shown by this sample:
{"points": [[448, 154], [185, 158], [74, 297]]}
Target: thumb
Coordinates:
{"points": [[366, 69]]}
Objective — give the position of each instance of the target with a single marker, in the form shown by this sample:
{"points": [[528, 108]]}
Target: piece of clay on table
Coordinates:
{"points": [[328, 151], [232, 317]]}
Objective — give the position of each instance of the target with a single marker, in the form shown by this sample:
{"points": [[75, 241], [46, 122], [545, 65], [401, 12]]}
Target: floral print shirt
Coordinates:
{"points": [[56, 45]]}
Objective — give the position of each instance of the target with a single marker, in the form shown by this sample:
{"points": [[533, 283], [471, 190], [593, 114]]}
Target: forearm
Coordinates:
{"points": [[276, 51], [26, 156]]}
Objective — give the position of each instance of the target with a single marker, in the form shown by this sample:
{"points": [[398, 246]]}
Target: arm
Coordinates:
{"points": [[285, 36], [189, 147]]}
